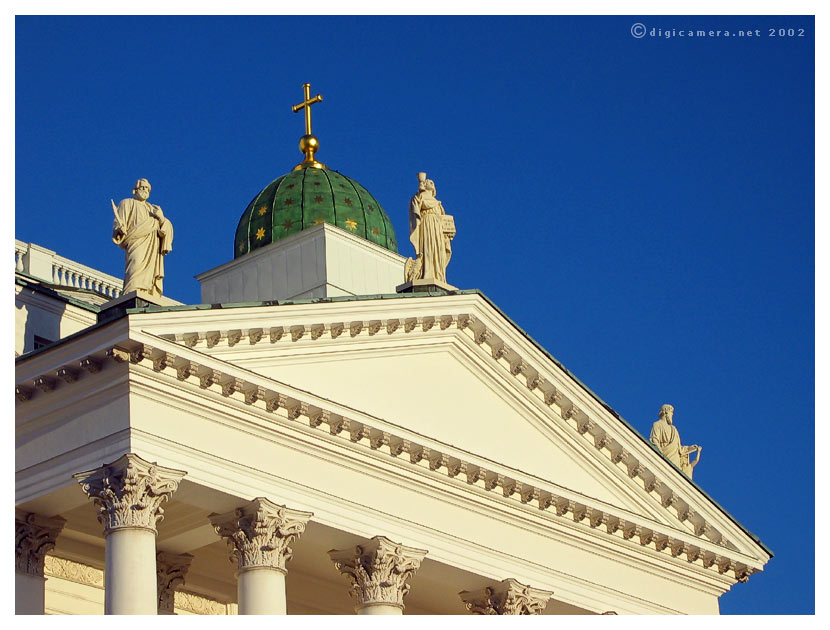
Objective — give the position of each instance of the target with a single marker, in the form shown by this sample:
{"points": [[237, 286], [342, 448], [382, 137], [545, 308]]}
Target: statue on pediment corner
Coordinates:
{"points": [[430, 231], [664, 436], [146, 236]]}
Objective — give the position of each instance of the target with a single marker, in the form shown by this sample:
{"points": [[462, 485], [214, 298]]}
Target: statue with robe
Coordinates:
{"points": [[146, 236], [430, 230], [664, 436]]}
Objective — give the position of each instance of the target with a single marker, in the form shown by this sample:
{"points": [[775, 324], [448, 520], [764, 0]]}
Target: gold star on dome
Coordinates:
{"points": [[347, 201], [289, 201], [262, 210], [288, 224], [352, 225], [260, 234], [319, 220], [375, 231], [318, 199], [242, 247]]}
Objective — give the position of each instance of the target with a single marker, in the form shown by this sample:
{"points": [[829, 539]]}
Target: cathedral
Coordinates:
{"points": [[334, 429]]}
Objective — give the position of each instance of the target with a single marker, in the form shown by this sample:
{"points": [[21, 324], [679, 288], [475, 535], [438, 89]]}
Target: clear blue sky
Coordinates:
{"points": [[643, 207]]}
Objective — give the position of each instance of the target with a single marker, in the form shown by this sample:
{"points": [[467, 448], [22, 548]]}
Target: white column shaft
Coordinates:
{"points": [[28, 594], [380, 609], [261, 591], [130, 575]]}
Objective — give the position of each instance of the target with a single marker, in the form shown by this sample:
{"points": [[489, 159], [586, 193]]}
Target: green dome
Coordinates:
{"points": [[307, 197]]}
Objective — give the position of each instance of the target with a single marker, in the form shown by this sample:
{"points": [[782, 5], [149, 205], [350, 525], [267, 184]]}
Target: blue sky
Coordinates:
{"points": [[643, 207]]}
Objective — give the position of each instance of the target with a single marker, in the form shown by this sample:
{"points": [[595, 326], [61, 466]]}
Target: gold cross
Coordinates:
{"points": [[306, 104]]}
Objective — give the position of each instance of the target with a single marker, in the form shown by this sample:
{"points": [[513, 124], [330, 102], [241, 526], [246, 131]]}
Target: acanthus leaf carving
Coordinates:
{"points": [[170, 572], [34, 537], [129, 492], [260, 533], [378, 570], [508, 597]]}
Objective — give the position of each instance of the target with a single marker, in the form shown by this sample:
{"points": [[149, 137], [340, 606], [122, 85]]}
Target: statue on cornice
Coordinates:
{"points": [[430, 231], [146, 236], [664, 436]]}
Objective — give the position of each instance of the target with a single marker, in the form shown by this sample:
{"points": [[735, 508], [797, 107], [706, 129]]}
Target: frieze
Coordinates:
{"points": [[73, 571]]}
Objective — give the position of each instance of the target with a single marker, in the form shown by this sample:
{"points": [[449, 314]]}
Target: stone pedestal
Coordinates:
{"points": [[508, 597], [134, 299], [424, 286], [34, 537], [129, 493], [259, 534], [378, 571]]}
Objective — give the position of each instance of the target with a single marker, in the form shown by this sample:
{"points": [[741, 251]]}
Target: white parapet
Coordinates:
{"points": [[48, 266], [323, 261]]}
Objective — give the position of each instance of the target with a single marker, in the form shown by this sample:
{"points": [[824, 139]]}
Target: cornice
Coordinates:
{"points": [[567, 403], [710, 550]]}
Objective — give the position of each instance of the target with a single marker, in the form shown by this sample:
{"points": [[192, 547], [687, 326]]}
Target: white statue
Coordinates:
{"points": [[664, 436], [141, 230], [430, 231]]}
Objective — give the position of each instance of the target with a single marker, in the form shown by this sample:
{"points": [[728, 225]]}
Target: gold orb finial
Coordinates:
{"points": [[308, 143]]}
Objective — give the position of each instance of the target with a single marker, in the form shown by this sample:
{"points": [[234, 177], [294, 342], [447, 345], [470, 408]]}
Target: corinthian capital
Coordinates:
{"points": [[378, 570], [260, 533], [129, 492], [170, 571], [34, 537], [508, 597]]}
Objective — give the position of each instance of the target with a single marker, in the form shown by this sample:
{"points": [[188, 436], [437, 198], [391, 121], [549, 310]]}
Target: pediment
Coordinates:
{"points": [[456, 371]]}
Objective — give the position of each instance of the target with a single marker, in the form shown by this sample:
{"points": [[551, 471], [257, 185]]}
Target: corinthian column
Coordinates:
{"points": [[259, 534], [378, 571], [128, 494], [34, 537], [507, 597], [170, 571]]}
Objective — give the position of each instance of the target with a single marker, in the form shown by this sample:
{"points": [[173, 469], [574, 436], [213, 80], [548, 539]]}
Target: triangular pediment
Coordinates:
{"points": [[455, 370]]}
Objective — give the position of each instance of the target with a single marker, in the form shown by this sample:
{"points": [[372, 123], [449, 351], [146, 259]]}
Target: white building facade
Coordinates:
{"points": [[309, 441]]}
